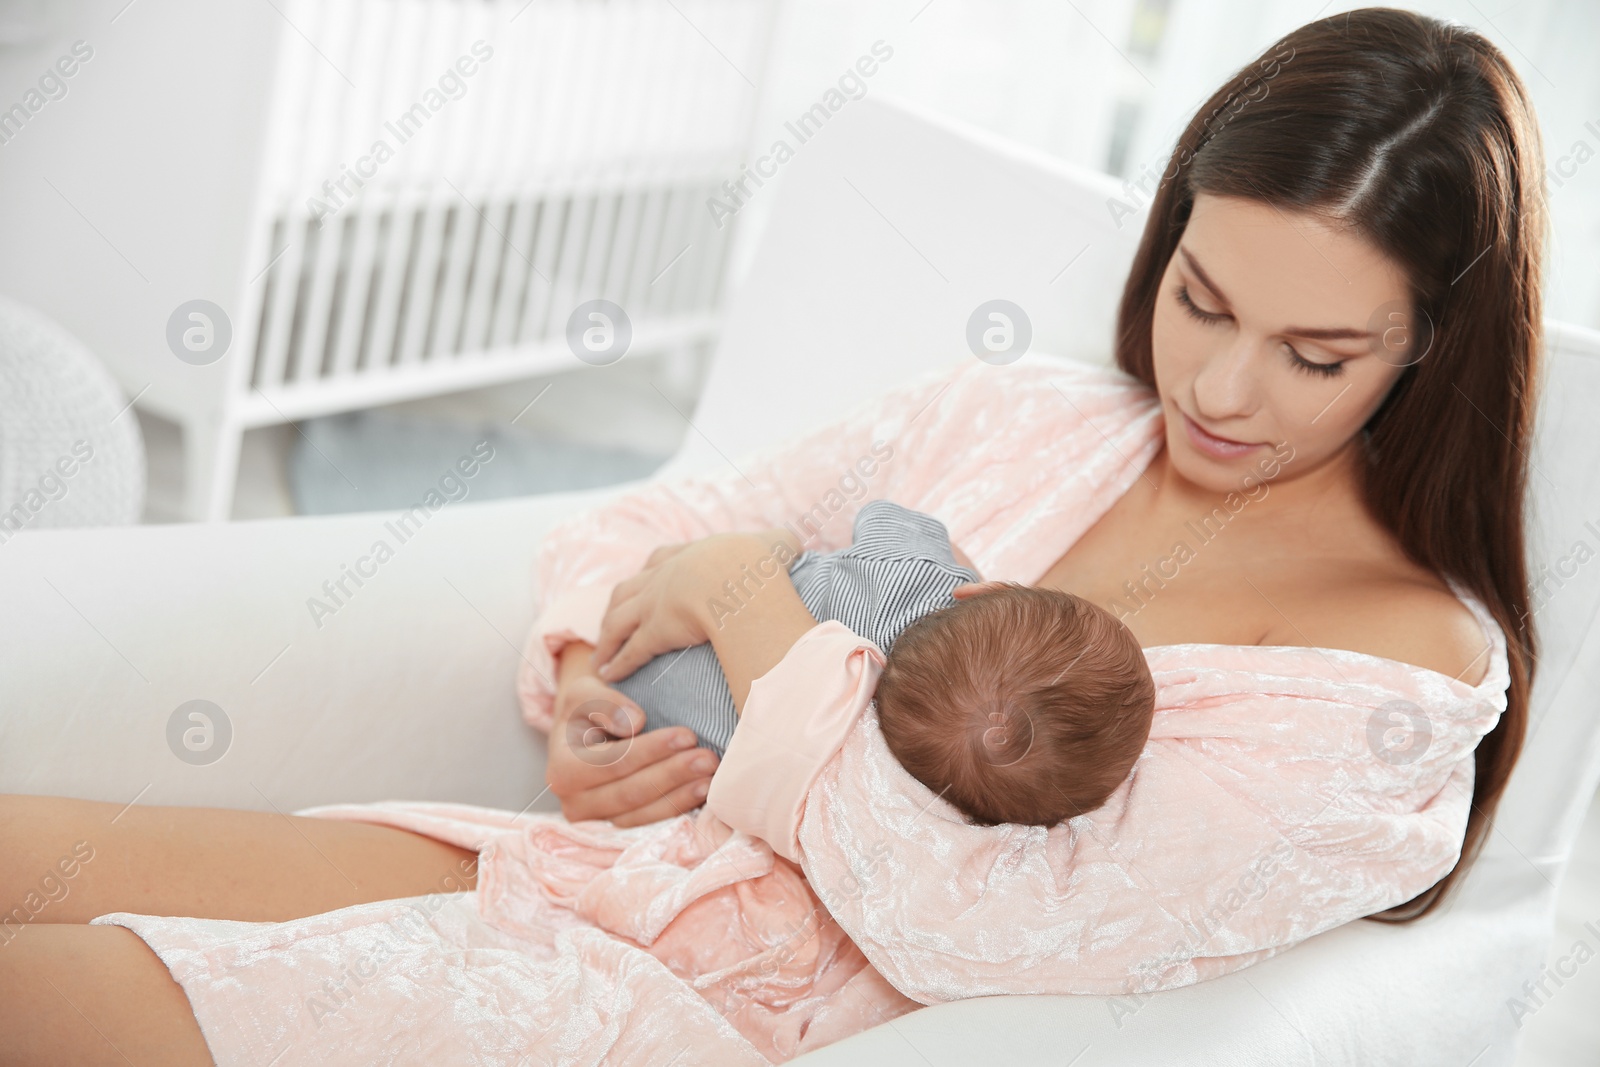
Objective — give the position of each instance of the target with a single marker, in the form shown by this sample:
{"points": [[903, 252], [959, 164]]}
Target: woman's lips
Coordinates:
{"points": [[1212, 445]]}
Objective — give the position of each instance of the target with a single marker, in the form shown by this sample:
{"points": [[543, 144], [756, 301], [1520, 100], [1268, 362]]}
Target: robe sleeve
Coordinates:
{"points": [[804, 708]]}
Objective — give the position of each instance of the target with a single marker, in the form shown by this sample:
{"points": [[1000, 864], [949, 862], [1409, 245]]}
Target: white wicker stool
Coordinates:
{"points": [[70, 449]]}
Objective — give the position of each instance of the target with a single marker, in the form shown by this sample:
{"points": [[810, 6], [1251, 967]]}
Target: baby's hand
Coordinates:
{"points": [[966, 589]]}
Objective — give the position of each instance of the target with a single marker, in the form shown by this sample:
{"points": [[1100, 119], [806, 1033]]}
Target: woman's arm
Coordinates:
{"points": [[732, 590], [813, 483], [750, 636]]}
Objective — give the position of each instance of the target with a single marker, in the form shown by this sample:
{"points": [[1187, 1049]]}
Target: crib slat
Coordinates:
{"points": [[357, 286], [417, 152], [515, 272], [410, 33], [465, 230], [495, 136], [569, 265], [676, 246], [260, 296], [535, 325], [700, 88], [278, 158], [295, 162], [483, 279], [274, 347], [462, 143], [555, 34], [707, 243], [435, 296], [653, 87], [544, 134], [719, 247], [612, 86], [652, 225], [331, 132], [597, 256], [378, 344], [422, 280], [379, 31], [624, 247], [639, 80], [525, 41], [702, 92], [307, 348]]}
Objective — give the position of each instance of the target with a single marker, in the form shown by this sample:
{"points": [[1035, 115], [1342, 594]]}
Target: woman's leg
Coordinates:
{"points": [[97, 994], [92, 995], [211, 863]]}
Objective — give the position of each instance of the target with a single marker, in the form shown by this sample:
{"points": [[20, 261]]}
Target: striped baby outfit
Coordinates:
{"points": [[898, 568]]}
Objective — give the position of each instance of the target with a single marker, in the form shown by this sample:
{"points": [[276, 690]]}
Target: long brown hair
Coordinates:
{"points": [[1419, 135]]}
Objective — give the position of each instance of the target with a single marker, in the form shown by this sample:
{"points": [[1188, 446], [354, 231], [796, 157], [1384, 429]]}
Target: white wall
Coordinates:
{"points": [[1052, 75]]}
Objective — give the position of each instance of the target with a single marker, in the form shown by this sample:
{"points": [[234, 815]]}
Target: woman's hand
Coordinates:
{"points": [[602, 767], [658, 610]]}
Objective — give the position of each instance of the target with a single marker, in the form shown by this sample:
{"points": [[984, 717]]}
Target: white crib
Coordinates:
{"points": [[378, 200]]}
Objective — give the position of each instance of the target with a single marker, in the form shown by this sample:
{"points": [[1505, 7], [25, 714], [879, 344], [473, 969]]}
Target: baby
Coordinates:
{"points": [[1017, 705]]}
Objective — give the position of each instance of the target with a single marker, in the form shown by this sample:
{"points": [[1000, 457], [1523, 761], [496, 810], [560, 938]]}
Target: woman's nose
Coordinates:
{"points": [[1226, 384]]}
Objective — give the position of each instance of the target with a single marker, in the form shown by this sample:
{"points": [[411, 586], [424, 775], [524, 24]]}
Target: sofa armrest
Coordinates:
{"points": [[400, 685]]}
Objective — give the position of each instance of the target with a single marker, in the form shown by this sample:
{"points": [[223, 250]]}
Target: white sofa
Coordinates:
{"points": [[887, 230]]}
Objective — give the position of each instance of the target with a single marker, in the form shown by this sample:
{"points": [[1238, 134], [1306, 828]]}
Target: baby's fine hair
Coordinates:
{"points": [[976, 700]]}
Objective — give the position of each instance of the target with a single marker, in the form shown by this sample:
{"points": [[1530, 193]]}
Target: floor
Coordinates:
{"points": [[621, 405]]}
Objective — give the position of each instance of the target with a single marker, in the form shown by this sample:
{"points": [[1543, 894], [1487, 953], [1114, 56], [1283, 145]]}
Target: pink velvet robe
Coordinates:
{"points": [[823, 890]]}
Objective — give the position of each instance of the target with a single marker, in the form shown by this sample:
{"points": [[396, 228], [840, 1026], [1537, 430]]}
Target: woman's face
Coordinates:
{"points": [[1295, 334]]}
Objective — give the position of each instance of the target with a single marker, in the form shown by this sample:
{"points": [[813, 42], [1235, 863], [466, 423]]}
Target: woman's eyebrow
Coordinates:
{"points": [[1315, 333]]}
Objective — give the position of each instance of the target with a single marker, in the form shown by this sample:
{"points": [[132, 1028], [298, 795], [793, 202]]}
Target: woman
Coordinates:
{"points": [[1304, 497]]}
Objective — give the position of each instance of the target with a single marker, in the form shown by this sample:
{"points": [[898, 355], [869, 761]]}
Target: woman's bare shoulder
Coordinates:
{"points": [[1411, 617]]}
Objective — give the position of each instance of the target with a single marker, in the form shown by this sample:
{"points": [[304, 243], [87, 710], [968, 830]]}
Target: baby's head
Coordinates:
{"points": [[1017, 705]]}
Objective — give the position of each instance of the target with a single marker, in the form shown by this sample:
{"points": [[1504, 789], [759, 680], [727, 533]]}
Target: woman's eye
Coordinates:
{"points": [[1321, 370], [1300, 363], [1193, 309]]}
